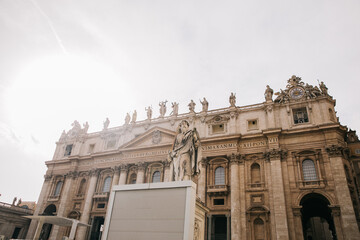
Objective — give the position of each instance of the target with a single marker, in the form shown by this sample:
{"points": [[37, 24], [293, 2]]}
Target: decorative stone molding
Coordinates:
{"points": [[141, 166], [166, 163], [47, 177], [335, 150], [72, 174], [94, 172], [297, 211], [335, 210], [274, 154], [203, 162], [236, 158], [124, 167]]}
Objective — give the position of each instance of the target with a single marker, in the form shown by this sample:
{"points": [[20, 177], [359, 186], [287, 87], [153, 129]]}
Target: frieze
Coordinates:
{"points": [[96, 161], [219, 146], [146, 154], [253, 144]]}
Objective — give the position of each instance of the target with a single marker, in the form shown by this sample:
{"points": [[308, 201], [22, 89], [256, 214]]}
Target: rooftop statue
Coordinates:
{"points": [[127, 119], [134, 116], [86, 127], [185, 151], [205, 105], [268, 93], [106, 124], [148, 112], [162, 108], [192, 106], [323, 88], [175, 107], [232, 100]]}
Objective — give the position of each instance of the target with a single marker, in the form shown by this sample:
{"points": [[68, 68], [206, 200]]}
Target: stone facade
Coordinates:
{"points": [[274, 170]]}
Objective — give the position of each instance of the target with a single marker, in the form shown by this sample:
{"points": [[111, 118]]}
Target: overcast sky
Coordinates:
{"points": [[91, 59]]}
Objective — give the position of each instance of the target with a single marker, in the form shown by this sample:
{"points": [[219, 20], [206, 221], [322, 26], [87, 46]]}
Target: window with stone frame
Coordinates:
{"points": [[219, 176], [156, 177], [255, 173], [300, 115], [309, 170], [58, 188], [82, 186], [132, 179], [68, 149], [107, 184]]}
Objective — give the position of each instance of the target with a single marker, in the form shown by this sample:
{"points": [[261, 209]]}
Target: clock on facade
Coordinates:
{"points": [[297, 92]]}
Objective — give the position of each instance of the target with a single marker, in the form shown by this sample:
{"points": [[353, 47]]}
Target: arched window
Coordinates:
{"points": [[309, 170], [107, 184], [255, 173], [259, 229], [82, 186], [220, 176], [156, 177], [58, 188], [132, 179]]}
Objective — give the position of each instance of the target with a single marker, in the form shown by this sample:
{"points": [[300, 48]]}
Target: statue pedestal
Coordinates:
{"points": [[153, 211]]}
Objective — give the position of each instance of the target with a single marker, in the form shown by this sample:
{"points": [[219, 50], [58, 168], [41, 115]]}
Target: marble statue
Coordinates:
{"points": [[175, 107], [323, 88], [106, 124], [148, 112], [134, 116], [192, 106], [205, 105], [268, 93], [232, 100], [14, 200], [185, 151], [19, 202], [86, 127], [162, 108], [127, 119]]}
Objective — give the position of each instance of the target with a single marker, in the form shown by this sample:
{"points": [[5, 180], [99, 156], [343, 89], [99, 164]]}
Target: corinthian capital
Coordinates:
{"points": [[235, 158], [273, 154], [141, 166], [47, 177], [94, 172], [334, 150]]}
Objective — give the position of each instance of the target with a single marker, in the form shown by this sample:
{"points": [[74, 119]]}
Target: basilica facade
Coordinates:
{"points": [[280, 169]]}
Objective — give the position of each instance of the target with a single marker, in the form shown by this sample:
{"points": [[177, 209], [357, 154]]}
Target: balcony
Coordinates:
{"points": [[79, 196], [218, 190], [101, 196], [53, 198], [312, 184]]}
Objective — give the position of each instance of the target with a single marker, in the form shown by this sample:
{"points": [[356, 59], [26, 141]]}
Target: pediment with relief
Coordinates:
{"points": [[151, 138]]}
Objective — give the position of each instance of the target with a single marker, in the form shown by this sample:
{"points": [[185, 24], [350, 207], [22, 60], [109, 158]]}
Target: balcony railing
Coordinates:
{"points": [[218, 189], [54, 198], [79, 196], [101, 195], [256, 185], [312, 184]]}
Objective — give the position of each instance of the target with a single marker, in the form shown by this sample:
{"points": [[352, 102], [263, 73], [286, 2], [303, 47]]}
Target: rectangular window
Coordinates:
{"points": [[357, 151], [101, 205], [91, 148], [218, 128], [219, 201], [68, 150], [253, 124], [300, 115]]}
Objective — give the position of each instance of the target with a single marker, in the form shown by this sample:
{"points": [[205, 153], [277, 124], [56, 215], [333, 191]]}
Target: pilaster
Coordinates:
{"points": [[202, 180], [167, 176], [235, 197], [116, 175], [141, 173], [123, 174], [349, 223]]}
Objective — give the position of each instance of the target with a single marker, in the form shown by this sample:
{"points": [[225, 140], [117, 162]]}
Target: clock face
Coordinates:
{"points": [[297, 92]]}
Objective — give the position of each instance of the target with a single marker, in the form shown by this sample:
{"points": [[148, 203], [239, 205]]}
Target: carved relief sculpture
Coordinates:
{"points": [[162, 108], [205, 105], [268, 93], [192, 106], [232, 100], [184, 154], [148, 112], [106, 124], [175, 107], [127, 119], [134, 116]]}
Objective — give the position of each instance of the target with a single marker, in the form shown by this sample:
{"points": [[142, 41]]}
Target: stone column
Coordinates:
{"points": [[116, 176], [350, 228], [64, 201], [298, 223], [202, 180], [335, 213], [167, 177], [242, 183], [123, 174], [141, 173], [209, 227], [235, 198], [278, 193], [81, 233], [42, 198], [228, 228]]}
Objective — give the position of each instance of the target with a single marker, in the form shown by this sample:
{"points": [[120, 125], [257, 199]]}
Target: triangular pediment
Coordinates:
{"points": [[156, 136]]}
